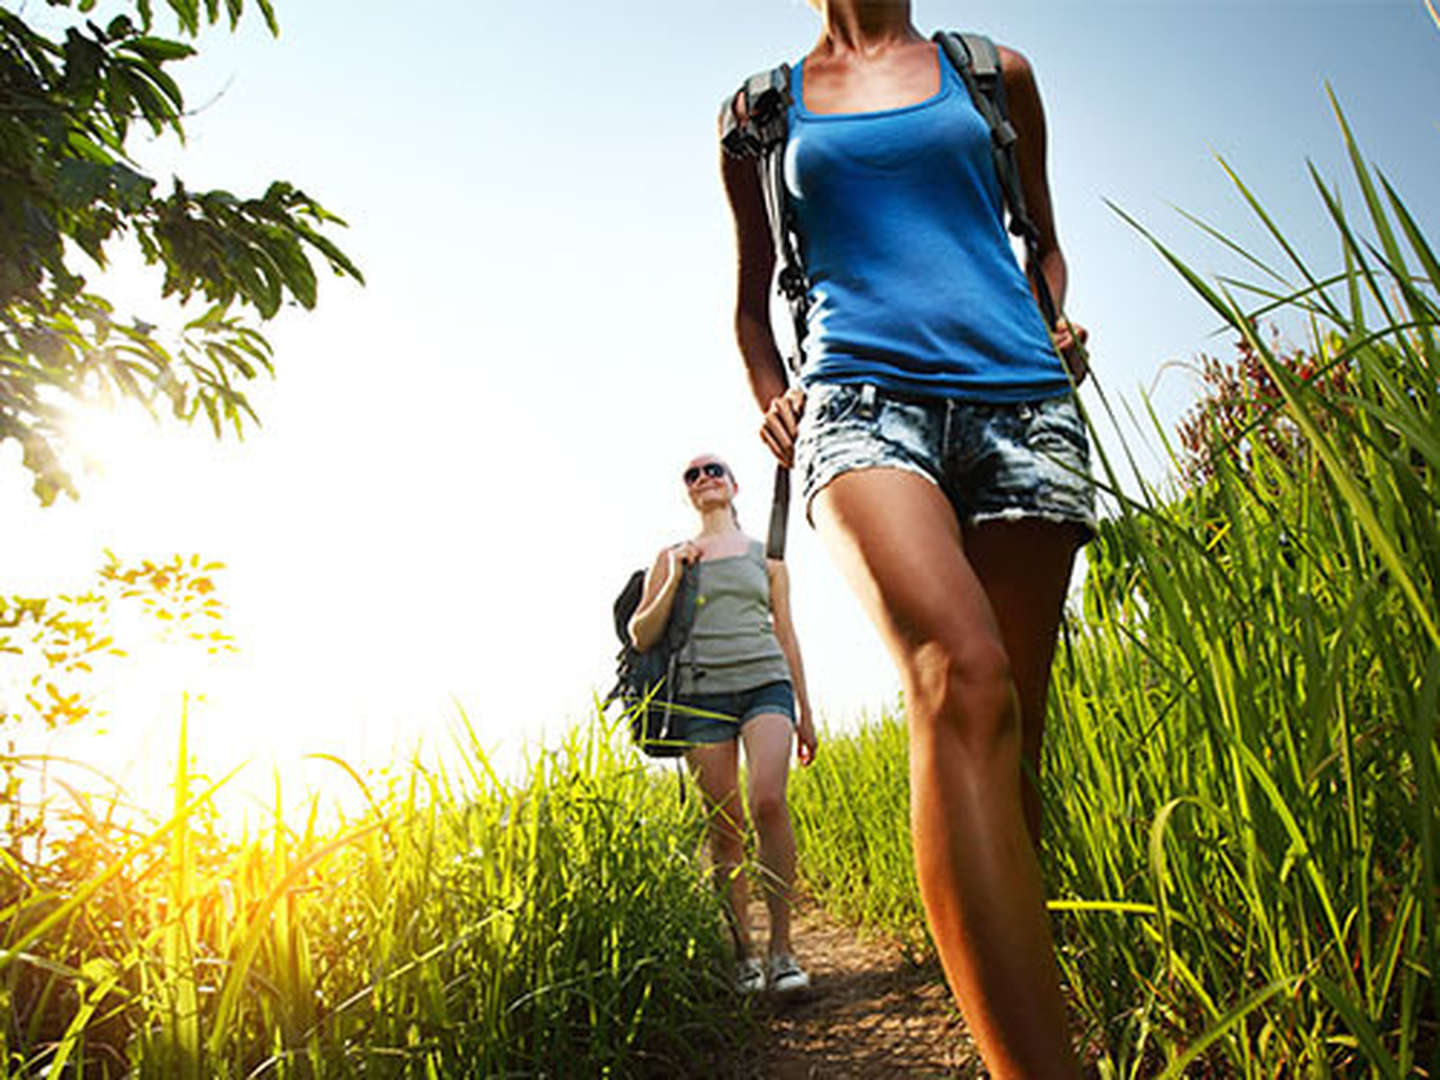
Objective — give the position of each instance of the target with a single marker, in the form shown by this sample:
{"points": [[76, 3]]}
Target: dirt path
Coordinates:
{"points": [[870, 1014]]}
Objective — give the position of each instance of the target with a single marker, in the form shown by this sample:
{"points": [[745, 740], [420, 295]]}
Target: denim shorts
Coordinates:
{"points": [[994, 462], [715, 718]]}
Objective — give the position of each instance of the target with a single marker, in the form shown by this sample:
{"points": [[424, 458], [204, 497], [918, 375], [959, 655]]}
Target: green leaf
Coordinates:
{"points": [[1367, 187], [158, 50], [78, 182], [1360, 1026], [188, 12], [1277, 235]]}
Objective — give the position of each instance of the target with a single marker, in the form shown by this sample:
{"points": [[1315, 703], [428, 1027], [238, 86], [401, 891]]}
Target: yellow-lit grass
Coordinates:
{"points": [[462, 926]]}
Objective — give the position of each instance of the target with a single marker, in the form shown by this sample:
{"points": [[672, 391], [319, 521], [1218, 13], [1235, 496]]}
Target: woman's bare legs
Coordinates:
{"points": [[1024, 567], [767, 739], [716, 769], [896, 538]]}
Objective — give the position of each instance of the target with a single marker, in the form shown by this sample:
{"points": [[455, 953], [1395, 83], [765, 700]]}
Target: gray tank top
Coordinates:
{"points": [[732, 645]]}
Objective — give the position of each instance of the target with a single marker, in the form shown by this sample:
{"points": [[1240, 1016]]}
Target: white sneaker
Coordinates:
{"points": [[785, 974], [750, 975]]}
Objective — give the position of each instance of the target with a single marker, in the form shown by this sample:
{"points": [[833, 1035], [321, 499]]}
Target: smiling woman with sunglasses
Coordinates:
{"points": [[742, 681]]}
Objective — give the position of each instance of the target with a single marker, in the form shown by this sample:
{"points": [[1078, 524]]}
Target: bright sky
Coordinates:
{"points": [[463, 460]]}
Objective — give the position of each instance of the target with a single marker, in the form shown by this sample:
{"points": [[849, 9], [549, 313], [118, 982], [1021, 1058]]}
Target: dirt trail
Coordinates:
{"points": [[870, 1014]]}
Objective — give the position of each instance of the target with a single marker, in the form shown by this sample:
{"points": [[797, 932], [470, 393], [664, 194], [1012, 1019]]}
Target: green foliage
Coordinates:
{"points": [[459, 926], [52, 648], [52, 644], [69, 188], [851, 813]]}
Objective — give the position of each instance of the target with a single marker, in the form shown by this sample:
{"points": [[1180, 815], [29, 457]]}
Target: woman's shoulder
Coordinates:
{"points": [[761, 556], [1014, 66], [737, 102], [671, 547]]}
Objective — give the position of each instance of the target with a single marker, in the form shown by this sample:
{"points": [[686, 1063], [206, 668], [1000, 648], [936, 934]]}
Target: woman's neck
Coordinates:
{"points": [[716, 522], [866, 25]]}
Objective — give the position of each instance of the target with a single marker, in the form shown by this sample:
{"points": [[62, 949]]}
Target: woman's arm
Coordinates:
{"points": [[1027, 114], [790, 646], [647, 625], [755, 269]]}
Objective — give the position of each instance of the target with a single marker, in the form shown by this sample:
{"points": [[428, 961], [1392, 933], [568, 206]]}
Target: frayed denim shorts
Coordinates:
{"points": [[994, 462], [714, 718]]}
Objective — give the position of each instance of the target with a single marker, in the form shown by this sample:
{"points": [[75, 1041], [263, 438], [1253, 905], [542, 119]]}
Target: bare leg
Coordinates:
{"points": [[716, 771], [767, 756], [896, 538], [1024, 567]]}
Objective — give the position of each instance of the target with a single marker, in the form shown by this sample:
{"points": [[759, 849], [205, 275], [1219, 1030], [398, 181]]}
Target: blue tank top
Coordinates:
{"points": [[913, 283]]}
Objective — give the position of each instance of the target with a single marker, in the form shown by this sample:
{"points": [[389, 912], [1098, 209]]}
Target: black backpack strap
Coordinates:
{"points": [[677, 637], [682, 609], [976, 59], [779, 514], [754, 123]]}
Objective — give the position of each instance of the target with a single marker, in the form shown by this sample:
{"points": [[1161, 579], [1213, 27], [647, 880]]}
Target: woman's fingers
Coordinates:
{"points": [[806, 744], [1070, 339], [777, 445], [782, 424], [793, 401]]}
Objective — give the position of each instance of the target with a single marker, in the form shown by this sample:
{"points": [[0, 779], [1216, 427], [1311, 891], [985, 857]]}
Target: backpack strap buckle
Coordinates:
{"points": [[763, 101], [792, 283]]}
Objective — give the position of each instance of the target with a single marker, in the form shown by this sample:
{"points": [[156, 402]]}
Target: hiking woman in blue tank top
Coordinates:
{"points": [[943, 463], [741, 680]]}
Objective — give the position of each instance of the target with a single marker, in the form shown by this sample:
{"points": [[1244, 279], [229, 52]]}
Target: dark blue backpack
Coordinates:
{"points": [[645, 681]]}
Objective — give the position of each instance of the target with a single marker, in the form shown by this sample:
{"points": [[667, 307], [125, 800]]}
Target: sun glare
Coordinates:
{"points": [[265, 701], [109, 439]]}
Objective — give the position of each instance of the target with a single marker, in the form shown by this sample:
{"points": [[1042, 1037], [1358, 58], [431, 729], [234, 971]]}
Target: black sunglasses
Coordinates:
{"points": [[711, 469]]}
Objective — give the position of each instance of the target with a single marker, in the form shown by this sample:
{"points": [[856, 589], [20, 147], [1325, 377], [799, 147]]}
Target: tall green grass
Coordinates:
{"points": [[1242, 760], [461, 926], [851, 814]]}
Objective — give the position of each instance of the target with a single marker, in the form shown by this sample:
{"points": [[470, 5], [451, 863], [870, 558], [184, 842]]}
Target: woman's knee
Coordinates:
{"points": [[965, 691], [726, 823], [767, 805], [727, 842]]}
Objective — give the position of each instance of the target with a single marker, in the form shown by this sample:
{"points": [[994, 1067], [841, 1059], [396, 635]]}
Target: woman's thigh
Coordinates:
{"points": [[767, 738], [716, 767], [1025, 569], [895, 536]]}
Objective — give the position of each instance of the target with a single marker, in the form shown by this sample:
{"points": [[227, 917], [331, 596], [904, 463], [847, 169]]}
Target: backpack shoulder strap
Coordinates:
{"points": [[754, 123], [753, 119], [977, 61], [984, 56], [682, 610]]}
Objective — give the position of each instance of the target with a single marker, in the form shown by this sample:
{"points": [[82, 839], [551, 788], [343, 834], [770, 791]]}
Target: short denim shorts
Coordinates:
{"points": [[994, 462], [715, 718]]}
